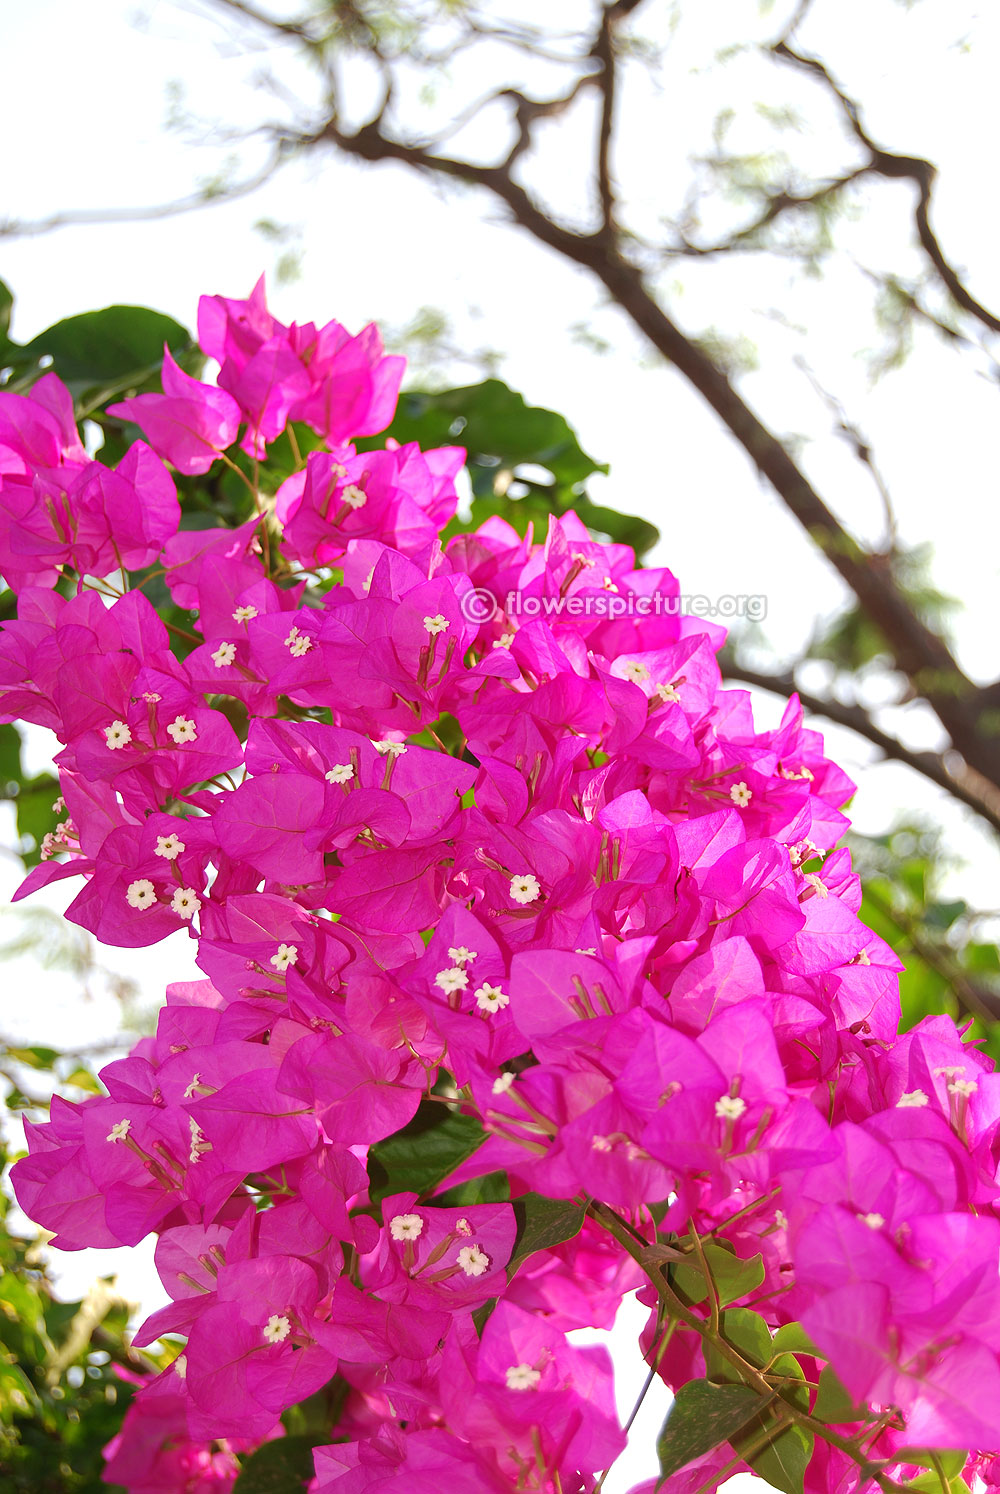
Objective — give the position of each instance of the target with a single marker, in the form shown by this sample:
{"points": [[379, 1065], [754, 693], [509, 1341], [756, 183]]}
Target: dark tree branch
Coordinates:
{"points": [[978, 794], [912, 168]]}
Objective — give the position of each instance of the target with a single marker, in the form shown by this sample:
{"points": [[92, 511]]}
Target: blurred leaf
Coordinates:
{"points": [[105, 353], [281, 1467]]}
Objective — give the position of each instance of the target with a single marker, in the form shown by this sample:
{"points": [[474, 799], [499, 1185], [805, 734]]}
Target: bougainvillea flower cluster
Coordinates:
{"points": [[544, 879]]}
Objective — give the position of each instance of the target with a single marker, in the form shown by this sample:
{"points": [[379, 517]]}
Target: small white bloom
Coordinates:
{"points": [[462, 956], [181, 1366], [151, 697], [730, 1107], [585, 951], [473, 1261], [741, 795], [816, 883], [608, 585], [340, 773], [861, 958], [406, 1226], [182, 730], [522, 1377], [453, 979], [300, 646], [193, 1087], [141, 893], [964, 1087], [354, 497], [389, 749], [502, 1083], [288, 954], [169, 847], [198, 1143], [579, 558], [504, 641], [224, 655], [667, 693], [491, 998], [119, 1130], [436, 624], [185, 902], [781, 1219], [873, 1220], [949, 1071], [601, 1144], [118, 734], [463, 1227], [277, 1328], [913, 1099], [635, 671], [244, 614], [525, 888]]}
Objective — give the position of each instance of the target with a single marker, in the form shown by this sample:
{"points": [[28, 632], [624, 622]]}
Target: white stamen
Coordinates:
{"points": [[340, 773], [522, 1377], [730, 1107], [913, 1099], [491, 998], [224, 655], [119, 1130], [473, 1261], [244, 614], [141, 893], [436, 624], [454, 979], [169, 847], [288, 954], [118, 734], [185, 902], [182, 730], [525, 888], [406, 1226], [277, 1328], [740, 794]]}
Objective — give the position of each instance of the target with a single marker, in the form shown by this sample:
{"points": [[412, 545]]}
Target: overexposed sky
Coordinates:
{"points": [[90, 90]]}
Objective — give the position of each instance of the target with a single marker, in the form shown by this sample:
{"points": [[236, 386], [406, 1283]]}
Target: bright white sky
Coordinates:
{"points": [[91, 100]]}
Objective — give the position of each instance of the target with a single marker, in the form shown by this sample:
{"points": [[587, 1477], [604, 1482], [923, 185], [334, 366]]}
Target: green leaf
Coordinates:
{"points": [[701, 1417], [784, 1460], [109, 351], [748, 1333], [492, 1187], [6, 307], [733, 1277], [424, 1152], [931, 1483], [834, 1402], [35, 1057], [951, 1461], [792, 1338], [281, 1467], [543, 1223]]}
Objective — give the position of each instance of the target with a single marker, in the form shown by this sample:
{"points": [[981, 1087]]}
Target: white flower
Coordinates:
{"points": [[185, 902], [522, 1377], [169, 847], [635, 671], [585, 951], [741, 795], [463, 1227], [816, 883], [277, 1328], [454, 979], [194, 1087], [389, 749], [462, 956], [244, 614], [491, 998], [224, 655], [912, 1099], [118, 734], [525, 888], [141, 894], [473, 1261], [667, 692], [182, 730], [340, 773], [300, 646], [288, 954], [730, 1107], [601, 1144], [608, 585], [861, 958], [354, 497], [504, 641], [873, 1220], [579, 558], [119, 1130], [436, 624], [502, 1083], [964, 1087], [406, 1226]]}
